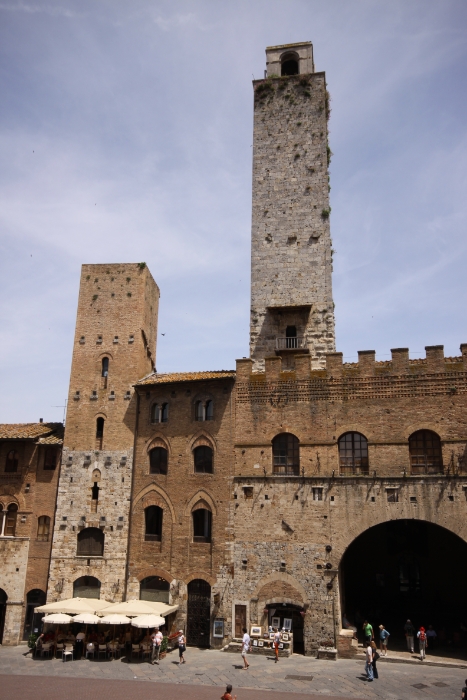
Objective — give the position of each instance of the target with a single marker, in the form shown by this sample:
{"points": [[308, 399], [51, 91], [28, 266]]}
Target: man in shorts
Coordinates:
{"points": [[246, 644]]}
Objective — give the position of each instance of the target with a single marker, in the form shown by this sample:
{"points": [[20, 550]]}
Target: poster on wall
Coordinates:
{"points": [[218, 628], [287, 623], [276, 622]]}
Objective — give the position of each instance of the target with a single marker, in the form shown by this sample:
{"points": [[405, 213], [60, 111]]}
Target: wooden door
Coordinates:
{"points": [[240, 620]]}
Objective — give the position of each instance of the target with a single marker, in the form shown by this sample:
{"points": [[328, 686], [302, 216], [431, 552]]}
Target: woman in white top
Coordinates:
{"points": [[277, 639], [181, 647], [246, 642]]}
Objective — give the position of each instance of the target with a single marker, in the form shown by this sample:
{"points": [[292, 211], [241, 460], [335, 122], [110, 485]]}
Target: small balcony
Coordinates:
{"points": [[295, 345]]}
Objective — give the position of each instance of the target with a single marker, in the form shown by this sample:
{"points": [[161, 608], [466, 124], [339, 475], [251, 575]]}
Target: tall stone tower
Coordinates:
{"points": [[114, 346], [292, 309]]}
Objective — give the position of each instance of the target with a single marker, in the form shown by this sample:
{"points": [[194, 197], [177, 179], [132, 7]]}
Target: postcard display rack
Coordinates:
{"points": [[263, 642]]}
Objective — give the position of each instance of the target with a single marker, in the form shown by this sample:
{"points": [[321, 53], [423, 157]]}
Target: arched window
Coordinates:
{"points": [[11, 464], [425, 452], [32, 620], [159, 413], [285, 454], [43, 528], [155, 413], [153, 524], [203, 459], [90, 543], [154, 588], [199, 410], [50, 458], [204, 410], [202, 525], [10, 520], [158, 460], [353, 453], [87, 587], [100, 428], [289, 64], [164, 413], [209, 410], [105, 367]]}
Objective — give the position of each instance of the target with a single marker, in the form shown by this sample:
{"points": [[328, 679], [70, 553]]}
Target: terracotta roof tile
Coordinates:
{"points": [[185, 377], [30, 431]]}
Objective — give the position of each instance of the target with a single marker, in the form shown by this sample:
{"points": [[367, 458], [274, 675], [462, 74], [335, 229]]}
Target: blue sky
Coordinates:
{"points": [[125, 135]]}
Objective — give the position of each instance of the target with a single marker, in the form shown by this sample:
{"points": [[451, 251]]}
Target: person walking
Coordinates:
{"points": [[374, 659], [431, 637], [246, 645], [409, 631], [464, 691], [79, 644], [277, 639], [368, 631], [156, 639], [369, 662], [421, 634], [228, 694], [181, 647], [383, 640]]}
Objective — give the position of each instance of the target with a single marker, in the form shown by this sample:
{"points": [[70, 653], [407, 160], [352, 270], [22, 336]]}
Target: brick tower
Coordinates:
{"points": [[114, 346], [292, 310]]}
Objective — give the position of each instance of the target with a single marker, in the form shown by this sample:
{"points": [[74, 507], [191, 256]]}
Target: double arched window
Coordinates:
{"points": [[204, 410], [43, 528], [202, 525], [158, 458], [153, 524], [8, 520], [203, 459], [286, 455], [425, 452], [159, 413], [11, 464], [353, 453], [90, 542]]}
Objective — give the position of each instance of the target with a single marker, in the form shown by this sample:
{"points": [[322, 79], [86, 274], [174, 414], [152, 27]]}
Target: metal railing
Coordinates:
{"points": [[296, 343]]}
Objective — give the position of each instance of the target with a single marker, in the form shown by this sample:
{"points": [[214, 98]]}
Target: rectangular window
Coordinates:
{"points": [[248, 491], [318, 494], [50, 459], [392, 495]]}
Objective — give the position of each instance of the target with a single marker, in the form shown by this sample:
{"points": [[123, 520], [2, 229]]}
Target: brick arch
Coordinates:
{"points": [[203, 437], [271, 588], [100, 414], [356, 528], [154, 572], [212, 580], [201, 495], [158, 440], [48, 513], [352, 428], [153, 488], [8, 495], [423, 425]]}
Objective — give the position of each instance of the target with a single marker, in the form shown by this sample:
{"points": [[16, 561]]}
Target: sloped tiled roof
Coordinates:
{"points": [[45, 433], [185, 377]]}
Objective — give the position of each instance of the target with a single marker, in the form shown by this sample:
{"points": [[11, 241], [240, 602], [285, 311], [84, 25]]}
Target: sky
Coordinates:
{"points": [[125, 136]]}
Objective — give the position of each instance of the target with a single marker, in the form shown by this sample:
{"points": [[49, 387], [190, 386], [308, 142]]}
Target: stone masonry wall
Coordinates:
{"points": [[291, 260]]}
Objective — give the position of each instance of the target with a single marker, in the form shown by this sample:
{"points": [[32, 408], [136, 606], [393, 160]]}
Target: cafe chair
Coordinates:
{"points": [[135, 650], [46, 649], [90, 650], [59, 649], [102, 650], [67, 655]]}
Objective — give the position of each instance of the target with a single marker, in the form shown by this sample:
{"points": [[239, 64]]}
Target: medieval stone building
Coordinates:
{"points": [[293, 489]]}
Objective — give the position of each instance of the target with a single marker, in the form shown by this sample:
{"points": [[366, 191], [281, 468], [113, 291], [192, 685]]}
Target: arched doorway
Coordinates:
{"points": [[198, 626], [154, 588], [406, 569], [32, 621], [287, 616], [87, 587], [3, 600]]}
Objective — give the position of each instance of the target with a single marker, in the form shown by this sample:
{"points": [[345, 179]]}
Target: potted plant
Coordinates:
{"points": [[164, 645]]}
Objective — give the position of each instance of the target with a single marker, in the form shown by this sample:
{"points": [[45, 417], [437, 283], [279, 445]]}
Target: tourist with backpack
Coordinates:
{"points": [[383, 640], [421, 634]]}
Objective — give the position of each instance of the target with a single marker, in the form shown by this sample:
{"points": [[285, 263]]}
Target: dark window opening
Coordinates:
{"points": [[392, 495], [11, 464], [95, 492], [43, 528], [291, 340], [32, 620], [155, 413], [209, 410], [10, 520], [100, 428], [105, 366], [90, 543], [203, 459], [353, 454], [87, 587], [50, 459], [199, 410], [202, 524], [158, 460], [155, 589], [285, 454], [164, 413], [289, 65], [425, 452], [153, 524]]}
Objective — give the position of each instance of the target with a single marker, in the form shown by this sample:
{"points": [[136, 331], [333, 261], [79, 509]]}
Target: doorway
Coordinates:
{"points": [[32, 620], [3, 600], [199, 613], [290, 619], [240, 620]]}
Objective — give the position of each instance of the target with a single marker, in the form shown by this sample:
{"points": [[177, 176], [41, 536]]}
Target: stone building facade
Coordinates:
{"points": [[292, 490]]}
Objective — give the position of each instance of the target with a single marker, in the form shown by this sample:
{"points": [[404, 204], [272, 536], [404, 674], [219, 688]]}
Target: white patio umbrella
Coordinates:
{"points": [[115, 620], [148, 621], [73, 606], [57, 619], [132, 608], [87, 619]]}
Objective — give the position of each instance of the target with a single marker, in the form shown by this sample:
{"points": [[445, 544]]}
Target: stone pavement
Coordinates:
{"points": [[298, 674]]}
